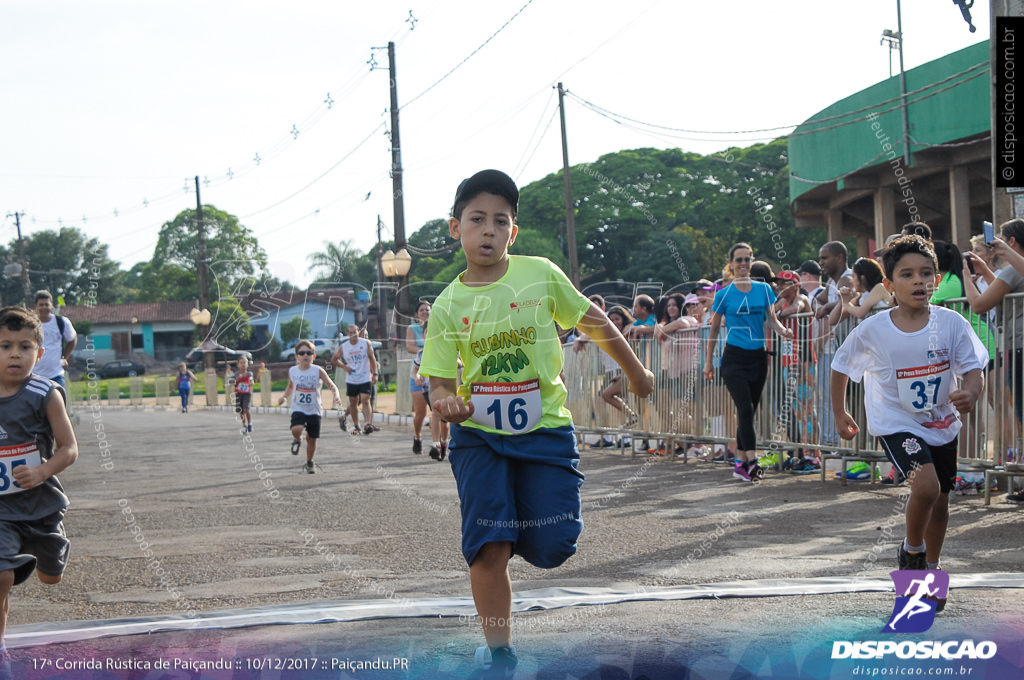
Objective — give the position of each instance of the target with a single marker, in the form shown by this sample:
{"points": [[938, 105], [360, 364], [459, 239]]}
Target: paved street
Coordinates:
{"points": [[374, 537]]}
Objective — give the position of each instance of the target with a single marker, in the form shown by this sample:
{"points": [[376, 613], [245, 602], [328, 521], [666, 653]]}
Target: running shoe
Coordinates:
{"points": [[435, 453], [343, 421], [296, 444], [768, 460], [368, 429], [681, 451], [309, 467], [444, 451], [498, 663], [1016, 497], [857, 472], [910, 561], [803, 466], [755, 471], [355, 431], [740, 472], [417, 446], [249, 427]]}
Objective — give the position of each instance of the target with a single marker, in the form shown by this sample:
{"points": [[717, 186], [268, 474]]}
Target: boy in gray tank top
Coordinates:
{"points": [[36, 442]]}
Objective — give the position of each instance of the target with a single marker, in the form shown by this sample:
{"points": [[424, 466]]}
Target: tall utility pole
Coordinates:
{"points": [[26, 282], [204, 284], [401, 301], [570, 209]]}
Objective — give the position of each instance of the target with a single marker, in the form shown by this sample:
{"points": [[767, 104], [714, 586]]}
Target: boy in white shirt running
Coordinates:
{"points": [[912, 358], [305, 380]]}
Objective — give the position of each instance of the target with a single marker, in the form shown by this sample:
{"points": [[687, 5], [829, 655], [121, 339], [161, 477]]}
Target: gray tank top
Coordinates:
{"points": [[26, 438]]}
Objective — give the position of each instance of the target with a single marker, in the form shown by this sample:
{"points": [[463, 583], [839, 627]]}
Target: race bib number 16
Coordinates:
{"points": [[10, 458], [514, 408]]}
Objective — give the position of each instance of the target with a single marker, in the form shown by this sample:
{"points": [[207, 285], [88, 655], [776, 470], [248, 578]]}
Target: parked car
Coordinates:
{"points": [[121, 369], [194, 359]]}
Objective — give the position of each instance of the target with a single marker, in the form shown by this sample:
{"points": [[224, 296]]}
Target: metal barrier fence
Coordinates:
{"points": [[796, 408]]}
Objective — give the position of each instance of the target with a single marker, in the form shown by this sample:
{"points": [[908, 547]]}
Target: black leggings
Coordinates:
{"points": [[744, 372]]}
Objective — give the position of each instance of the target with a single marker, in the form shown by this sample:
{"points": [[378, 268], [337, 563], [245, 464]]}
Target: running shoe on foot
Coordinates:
{"points": [[435, 453], [755, 471], [295, 447], [910, 561], [740, 471], [355, 430], [498, 663], [417, 446], [343, 422], [248, 428], [368, 429], [309, 467]]}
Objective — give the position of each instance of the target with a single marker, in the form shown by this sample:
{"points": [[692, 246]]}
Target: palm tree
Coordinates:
{"points": [[336, 262]]}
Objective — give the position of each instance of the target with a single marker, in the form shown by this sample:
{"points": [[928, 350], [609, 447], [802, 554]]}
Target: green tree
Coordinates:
{"points": [[232, 253], [335, 263], [230, 322], [67, 263], [294, 329]]}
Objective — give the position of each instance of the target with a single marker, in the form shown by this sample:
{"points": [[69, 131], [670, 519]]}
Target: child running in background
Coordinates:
{"points": [[304, 383], [513, 448], [183, 382], [911, 359], [38, 443], [244, 383]]}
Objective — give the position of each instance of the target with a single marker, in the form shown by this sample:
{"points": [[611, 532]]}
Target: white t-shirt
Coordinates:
{"points": [[908, 376], [357, 357], [49, 365], [306, 397]]}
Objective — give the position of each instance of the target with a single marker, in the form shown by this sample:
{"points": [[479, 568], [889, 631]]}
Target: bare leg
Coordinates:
{"points": [[492, 592]]}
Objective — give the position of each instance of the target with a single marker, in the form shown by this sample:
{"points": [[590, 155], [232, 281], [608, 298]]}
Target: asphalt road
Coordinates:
{"points": [[374, 537]]}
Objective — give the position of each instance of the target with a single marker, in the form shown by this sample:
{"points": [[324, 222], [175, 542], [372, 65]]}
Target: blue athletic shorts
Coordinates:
{"points": [[524, 489], [413, 387]]}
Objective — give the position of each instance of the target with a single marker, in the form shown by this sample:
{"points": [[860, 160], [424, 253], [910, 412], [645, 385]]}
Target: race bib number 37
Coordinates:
{"points": [[10, 458], [924, 387], [514, 408]]}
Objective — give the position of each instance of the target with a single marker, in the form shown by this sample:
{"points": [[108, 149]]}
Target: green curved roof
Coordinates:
{"points": [[954, 114]]}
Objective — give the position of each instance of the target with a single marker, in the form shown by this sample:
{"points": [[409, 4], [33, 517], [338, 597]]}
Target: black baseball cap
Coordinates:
{"points": [[810, 267], [492, 182]]}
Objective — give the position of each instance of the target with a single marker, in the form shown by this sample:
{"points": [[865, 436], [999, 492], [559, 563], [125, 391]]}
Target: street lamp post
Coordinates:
{"points": [[396, 265]]}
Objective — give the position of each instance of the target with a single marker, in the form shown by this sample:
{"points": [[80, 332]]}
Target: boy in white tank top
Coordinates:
{"points": [[304, 382]]}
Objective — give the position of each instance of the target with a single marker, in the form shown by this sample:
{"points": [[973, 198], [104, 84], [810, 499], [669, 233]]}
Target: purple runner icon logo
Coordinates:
{"points": [[917, 593]]}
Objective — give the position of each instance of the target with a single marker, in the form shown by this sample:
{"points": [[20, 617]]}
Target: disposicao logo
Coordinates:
{"points": [[914, 612]]}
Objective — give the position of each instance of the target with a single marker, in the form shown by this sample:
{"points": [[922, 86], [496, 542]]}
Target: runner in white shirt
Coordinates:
{"points": [[361, 366], [304, 383], [921, 364]]}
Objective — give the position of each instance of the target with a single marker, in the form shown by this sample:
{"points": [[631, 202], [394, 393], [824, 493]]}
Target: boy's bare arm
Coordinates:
{"points": [[65, 453], [326, 379], [846, 426], [287, 393], [966, 397], [447, 404], [602, 331]]}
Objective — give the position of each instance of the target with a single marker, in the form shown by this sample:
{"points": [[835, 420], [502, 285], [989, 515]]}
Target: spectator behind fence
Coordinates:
{"points": [[644, 322], [867, 294], [917, 228], [995, 265], [832, 257], [612, 392], [676, 360], [745, 305], [1010, 280]]}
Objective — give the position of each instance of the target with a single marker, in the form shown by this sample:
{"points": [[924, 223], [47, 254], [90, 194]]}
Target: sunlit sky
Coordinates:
{"points": [[116, 106]]}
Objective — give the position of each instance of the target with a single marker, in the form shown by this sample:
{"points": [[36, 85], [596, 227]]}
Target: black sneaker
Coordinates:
{"points": [[910, 561], [417, 446], [1016, 497], [343, 421], [296, 445], [368, 429], [435, 453], [444, 451], [756, 472], [309, 467]]}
